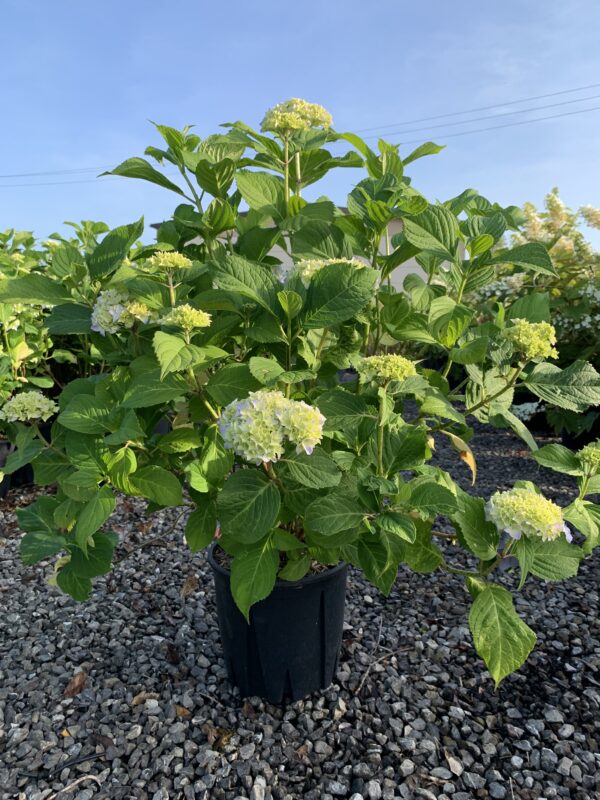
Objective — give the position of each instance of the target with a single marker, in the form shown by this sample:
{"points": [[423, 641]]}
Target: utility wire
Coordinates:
{"points": [[55, 172], [489, 116], [481, 108]]}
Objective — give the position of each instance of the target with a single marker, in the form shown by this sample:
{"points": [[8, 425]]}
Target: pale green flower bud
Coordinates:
{"points": [[385, 368], [168, 260], [296, 115], [534, 340], [308, 268], [187, 318]]}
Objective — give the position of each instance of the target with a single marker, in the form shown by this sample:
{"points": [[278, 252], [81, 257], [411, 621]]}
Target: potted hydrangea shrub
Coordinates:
{"points": [[290, 473]]}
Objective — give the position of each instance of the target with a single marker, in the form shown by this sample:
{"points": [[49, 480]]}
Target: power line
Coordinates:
{"points": [[489, 116], [481, 108], [54, 172], [63, 183], [508, 124]]}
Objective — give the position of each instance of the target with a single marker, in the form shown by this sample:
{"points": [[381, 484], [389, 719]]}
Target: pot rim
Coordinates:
{"points": [[307, 579]]}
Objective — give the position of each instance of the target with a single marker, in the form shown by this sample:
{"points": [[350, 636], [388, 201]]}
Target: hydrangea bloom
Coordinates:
{"points": [[523, 512], [589, 456], [258, 427], [28, 406], [296, 115], [108, 311], [168, 260], [385, 368], [534, 339], [187, 318], [138, 311], [525, 411], [307, 268]]}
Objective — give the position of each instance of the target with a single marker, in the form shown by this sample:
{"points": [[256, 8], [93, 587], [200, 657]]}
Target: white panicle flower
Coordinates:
{"points": [[296, 115], [108, 312], [308, 268], [534, 227], [557, 211], [525, 411], [258, 427], [28, 406], [591, 216], [564, 247], [523, 512]]}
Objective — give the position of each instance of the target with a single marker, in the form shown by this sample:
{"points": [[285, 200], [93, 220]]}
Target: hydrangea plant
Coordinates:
{"points": [[241, 352]]}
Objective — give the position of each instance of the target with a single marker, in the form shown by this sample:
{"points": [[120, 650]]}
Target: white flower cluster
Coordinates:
{"points": [[505, 287], [113, 310], [525, 411], [591, 215], [28, 407], [524, 512], [308, 268], [258, 427]]}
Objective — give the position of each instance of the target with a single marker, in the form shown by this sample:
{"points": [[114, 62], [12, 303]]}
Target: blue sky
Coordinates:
{"points": [[81, 80]]}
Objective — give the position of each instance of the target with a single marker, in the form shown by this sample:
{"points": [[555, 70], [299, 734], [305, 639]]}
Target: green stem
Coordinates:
{"points": [[197, 199], [513, 379], [380, 432], [286, 173], [171, 290], [298, 175]]}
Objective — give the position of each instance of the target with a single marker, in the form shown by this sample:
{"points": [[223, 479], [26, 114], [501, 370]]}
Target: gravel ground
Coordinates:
{"points": [[412, 714]]}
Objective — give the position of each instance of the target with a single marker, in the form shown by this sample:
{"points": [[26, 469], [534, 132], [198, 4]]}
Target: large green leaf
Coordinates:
{"points": [[33, 288], [150, 390], [143, 170], [448, 320], [333, 514], [532, 256], [175, 355], [317, 470], [337, 293], [585, 516], [201, 526], [481, 536], [558, 458], [551, 561], [248, 505], [262, 192], [253, 281], [86, 414], [69, 318], [98, 559], [94, 514], [39, 545], [435, 231], [422, 555], [157, 484], [501, 637], [78, 586], [253, 574], [231, 382], [534, 307], [430, 498], [575, 388], [425, 149], [114, 248], [342, 409]]}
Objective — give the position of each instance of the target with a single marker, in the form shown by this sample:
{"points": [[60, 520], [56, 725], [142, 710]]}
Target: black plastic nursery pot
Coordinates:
{"points": [[291, 647]]}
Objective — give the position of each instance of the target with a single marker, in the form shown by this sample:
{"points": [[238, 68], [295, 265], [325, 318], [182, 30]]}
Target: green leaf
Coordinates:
{"points": [[551, 561], [373, 558], [262, 192], [253, 575], [114, 248], [231, 382], [93, 516], [78, 586], [430, 499], [332, 514], [215, 460], [120, 465], [342, 409], [534, 307], [532, 256], [86, 414], [426, 149], [28, 447], [253, 281], [215, 178], [435, 231], [39, 545], [69, 319], [265, 370], [38, 516], [150, 390], [180, 440], [143, 170], [575, 388], [248, 505], [481, 536], [157, 484], [32, 289], [448, 320], [201, 527], [175, 355], [296, 568], [558, 458], [472, 352], [81, 485], [398, 524], [422, 555], [337, 293], [317, 471], [291, 302], [480, 244], [501, 637], [585, 516], [98, 559]]}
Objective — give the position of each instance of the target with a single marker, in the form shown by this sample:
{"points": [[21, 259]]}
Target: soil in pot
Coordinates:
{"points": [[291, 647]]}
